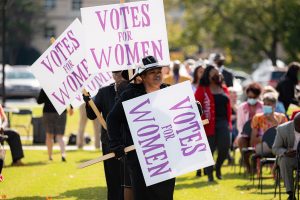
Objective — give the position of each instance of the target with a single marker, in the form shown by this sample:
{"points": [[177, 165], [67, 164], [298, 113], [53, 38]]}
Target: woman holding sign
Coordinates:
{"points": [[214, 97], [151, 76]]}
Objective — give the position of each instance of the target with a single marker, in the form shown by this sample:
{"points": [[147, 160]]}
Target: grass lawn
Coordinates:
{"points": [[40, 179]]}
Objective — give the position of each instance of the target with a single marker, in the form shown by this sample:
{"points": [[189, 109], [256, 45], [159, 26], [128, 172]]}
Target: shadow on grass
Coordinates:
{"points": [[181, 186], [29, 198], [84, 193], [30, 164]]}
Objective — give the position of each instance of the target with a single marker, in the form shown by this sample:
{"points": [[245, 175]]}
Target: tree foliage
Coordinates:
{"points": [[251, 29], [23, 20]]}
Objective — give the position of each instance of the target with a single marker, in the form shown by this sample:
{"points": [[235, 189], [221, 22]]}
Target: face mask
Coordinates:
{"points": [[267, 110], [252, 101], [216, 79]]}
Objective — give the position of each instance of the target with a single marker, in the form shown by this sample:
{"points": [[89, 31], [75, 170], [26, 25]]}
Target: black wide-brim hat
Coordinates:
{"points": [[149, 62]]}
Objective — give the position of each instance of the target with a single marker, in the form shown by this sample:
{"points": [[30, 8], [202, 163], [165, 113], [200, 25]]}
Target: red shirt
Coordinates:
{"points": [[206, 98]]}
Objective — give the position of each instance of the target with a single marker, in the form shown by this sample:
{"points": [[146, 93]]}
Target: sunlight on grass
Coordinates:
{"points": [[40, 179]]}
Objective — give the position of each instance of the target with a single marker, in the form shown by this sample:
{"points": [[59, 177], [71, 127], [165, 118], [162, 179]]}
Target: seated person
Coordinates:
{"points": [[13, 140], [285, 146], [263, 121]]}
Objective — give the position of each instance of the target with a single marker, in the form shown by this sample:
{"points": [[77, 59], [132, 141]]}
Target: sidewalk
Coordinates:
{"points": [[89, 147]]}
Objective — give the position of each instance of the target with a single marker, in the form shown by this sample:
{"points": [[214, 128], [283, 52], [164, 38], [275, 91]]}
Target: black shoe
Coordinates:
{"points": [[63, 159], [218, 174], [199, 173]]}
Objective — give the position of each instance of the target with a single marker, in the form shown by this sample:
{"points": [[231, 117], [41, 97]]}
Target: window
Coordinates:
{"points": [[49, 4], [49, 32], [76, 4]]}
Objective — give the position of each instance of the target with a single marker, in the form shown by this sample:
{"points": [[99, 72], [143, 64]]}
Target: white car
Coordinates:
{"points": [[20, 82]]}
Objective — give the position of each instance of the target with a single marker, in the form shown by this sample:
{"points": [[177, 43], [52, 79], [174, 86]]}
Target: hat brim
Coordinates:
{"points": [[145, 70]]}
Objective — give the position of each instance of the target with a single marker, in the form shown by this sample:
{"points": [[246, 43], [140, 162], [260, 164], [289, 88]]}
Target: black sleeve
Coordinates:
{"points": [[41, 98], [97, 100], [115, 119]]}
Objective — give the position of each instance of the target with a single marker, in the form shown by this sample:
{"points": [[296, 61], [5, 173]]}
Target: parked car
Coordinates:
{"points": [[20, 82]]}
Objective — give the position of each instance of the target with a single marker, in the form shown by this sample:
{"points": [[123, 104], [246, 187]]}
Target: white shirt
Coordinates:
{"points": [[297, 139]]}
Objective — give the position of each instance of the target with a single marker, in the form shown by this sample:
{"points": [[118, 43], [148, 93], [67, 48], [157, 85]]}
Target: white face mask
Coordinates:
{"points": [[252, 101]]}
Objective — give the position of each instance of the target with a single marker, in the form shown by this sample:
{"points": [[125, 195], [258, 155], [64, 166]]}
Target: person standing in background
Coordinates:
{"points": [[104, 101], [286, 87], [83, 119], [219, 59], [54, 124], [214, 98], [197, 74]]}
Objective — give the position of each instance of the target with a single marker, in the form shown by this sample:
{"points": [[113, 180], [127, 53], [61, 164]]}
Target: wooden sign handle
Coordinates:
{"points": [[111, 155], [102, 158], [96, 111]]}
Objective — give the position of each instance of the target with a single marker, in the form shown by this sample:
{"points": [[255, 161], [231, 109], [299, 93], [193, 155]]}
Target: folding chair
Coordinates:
{"points": [[266, 158], [277, 179], [17, 122], [246, 132]]}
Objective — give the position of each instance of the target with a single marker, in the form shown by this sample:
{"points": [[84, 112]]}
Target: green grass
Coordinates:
{"points": [[40, 179]]}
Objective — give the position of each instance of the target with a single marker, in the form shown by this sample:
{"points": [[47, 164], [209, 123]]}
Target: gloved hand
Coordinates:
{"points": [[119, 152], [86, 98], [199, 108]]}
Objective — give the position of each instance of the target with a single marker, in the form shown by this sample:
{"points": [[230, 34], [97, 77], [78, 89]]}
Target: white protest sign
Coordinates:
{"points": [[168, 133], [62, 70], [98, 81], [118, 36]]}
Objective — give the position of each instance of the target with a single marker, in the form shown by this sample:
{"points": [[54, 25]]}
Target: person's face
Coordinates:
{"points": [[251, 95], [270, 103], [220, 63], [200, 72], [215, 76], [152, 78], [117, 76]]}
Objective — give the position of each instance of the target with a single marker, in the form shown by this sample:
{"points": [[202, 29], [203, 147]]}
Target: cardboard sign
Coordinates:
{"points": [[62, 70], [98, 81], [168, 134], [118, 36]]}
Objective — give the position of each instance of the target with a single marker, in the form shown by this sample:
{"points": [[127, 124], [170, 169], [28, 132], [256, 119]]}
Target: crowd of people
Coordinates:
{"points": [[212, 84]]}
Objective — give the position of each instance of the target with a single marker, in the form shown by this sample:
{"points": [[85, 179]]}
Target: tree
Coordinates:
{"points": [[23, 19], [251, 29]]}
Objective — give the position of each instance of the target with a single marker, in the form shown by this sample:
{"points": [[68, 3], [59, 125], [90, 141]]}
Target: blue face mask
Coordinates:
{"points": [[252, 101], [268, 110]]}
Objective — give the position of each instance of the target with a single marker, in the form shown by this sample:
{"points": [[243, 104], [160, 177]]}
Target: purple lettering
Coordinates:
{"points": [[76, 44], [102, 22], [158, 170], [145, 12], [48, 66], [123, 13], [119, 48], [114, 14], [63, 93], [140, 117], [106, 57], [134, 14], [178, 106]]}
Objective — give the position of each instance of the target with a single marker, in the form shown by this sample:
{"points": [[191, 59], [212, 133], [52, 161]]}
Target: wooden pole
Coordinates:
{"points": [[111, 155], [91, 102]]}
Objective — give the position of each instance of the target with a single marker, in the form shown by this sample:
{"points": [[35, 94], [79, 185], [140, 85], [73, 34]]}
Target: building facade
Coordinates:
{"points": [[59, 15]]}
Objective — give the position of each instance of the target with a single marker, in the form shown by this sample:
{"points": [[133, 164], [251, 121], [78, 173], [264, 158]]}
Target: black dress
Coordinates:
{"points": [[115, 120]]}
